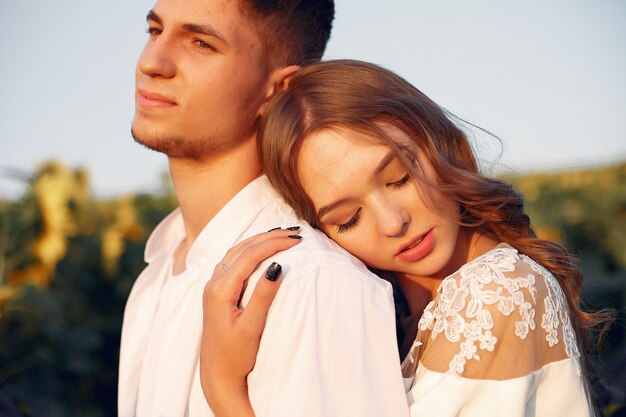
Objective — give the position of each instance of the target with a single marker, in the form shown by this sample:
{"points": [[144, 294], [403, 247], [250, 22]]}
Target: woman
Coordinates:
{"points": [[381, 169]]}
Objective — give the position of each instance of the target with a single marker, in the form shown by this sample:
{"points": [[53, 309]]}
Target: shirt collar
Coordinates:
{"points": [[166, 236], [221, 232]]}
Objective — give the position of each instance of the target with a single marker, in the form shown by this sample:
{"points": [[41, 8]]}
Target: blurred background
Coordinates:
{"points": [[78, 197]]}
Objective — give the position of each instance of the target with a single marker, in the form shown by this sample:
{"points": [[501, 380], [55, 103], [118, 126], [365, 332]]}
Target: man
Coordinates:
{"points": [[203, 79]]}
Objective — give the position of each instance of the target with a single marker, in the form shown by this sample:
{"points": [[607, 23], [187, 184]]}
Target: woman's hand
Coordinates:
{"points": [[231, 334]]}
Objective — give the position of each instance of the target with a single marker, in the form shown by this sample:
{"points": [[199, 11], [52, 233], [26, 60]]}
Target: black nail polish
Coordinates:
{"points": [[275, 228], [294, 237], [273, 271], [293, 228]]}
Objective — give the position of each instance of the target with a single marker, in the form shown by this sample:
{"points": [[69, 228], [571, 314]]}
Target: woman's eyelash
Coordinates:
{"points": [[350, 223], [402, 182]]}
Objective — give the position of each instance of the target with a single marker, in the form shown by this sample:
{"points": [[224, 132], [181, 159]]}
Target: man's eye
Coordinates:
{"points": [[203, 44], [153, 31]]}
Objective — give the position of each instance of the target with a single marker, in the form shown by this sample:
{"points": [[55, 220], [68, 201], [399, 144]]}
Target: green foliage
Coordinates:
{"points": [[586, 207], [21, 219], [60, 333]]}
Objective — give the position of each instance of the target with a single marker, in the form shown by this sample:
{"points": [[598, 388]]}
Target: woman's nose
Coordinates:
{"points": [[393, 219]]}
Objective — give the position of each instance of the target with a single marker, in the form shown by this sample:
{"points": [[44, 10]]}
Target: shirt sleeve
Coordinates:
{"points": [[329, 348]]}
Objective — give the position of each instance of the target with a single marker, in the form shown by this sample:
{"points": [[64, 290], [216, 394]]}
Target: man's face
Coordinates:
{"points": [[200, 80]]}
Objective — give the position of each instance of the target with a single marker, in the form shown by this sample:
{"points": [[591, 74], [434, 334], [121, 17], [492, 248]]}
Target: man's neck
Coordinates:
{"points": [[204, 188]]}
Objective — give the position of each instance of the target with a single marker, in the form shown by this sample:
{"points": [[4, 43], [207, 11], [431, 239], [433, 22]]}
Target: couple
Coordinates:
{"points": [[364, 157]]}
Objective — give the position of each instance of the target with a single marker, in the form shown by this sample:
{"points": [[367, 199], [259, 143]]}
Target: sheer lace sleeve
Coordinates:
{"points": [[498, 329], [501, 316]]}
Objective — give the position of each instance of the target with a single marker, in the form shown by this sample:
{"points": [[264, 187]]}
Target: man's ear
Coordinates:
{"points": [[283, 76], [279, 81], [280, 78]]}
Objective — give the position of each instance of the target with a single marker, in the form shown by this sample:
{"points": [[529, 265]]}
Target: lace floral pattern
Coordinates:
{"points": [[459, 312], [556, 309]]}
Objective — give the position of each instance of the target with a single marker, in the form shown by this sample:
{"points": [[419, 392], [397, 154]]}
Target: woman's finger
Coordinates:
{"points": [[227, 283], [247, 261], [255, 313], [242, 246]]}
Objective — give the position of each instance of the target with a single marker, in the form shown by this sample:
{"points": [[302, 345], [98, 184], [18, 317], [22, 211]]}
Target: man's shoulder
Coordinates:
{"points": [[319, 258]]}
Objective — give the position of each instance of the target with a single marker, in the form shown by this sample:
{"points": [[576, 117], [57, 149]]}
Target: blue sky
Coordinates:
{"points": [[549, 78]]}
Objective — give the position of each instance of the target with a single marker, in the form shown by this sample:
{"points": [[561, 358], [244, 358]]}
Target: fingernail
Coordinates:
{"points": [[273, 271], [293, 228], [271, 230], [294, 237]]}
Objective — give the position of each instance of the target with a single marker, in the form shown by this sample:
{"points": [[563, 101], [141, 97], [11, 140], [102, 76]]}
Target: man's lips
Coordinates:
{"points": [[152, 99]]}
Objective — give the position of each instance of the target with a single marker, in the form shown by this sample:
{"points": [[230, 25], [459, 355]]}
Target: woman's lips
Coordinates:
{"points": [[418, 248]]}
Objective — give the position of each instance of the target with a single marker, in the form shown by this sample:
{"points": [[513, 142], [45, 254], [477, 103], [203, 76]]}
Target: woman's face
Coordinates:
{"points": [[368, 204]]}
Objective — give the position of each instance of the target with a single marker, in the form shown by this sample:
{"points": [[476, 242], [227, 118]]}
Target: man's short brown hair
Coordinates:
{"points": [[292, 31]]}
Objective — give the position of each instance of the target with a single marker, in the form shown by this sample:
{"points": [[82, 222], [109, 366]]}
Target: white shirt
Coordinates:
{"points": [[329, 347]]}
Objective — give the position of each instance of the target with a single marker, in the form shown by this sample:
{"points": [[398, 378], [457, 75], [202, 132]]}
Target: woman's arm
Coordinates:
{"points": [[231, 334]]}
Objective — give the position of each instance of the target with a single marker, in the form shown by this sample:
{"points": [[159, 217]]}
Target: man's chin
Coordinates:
{"points": [[148, 142], [170, 145]]}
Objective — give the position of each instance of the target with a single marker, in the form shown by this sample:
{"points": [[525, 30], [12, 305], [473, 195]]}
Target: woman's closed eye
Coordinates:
{"points": [[350, 223], [401, 182]]}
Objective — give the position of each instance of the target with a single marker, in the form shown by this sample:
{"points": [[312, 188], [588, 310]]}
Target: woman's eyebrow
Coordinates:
{"points": [[330, 207], [384, 162]]}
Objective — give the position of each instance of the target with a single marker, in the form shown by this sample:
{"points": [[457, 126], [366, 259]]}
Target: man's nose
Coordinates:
{"points": [[157, 58]]}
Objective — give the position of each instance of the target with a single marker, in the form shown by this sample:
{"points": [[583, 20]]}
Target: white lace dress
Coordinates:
{"points": [[496, 341]]}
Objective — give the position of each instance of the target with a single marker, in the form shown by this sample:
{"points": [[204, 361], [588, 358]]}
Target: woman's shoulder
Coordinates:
{"points": [[499, 273], [504, 259], [501, 277], [496, 308]]}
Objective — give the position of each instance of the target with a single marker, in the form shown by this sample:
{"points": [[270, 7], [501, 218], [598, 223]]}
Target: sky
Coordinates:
{"points": [[547, 77]]}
